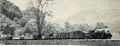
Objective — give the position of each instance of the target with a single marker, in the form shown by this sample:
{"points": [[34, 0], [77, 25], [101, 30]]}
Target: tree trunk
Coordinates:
{"points": [[40, 23]]}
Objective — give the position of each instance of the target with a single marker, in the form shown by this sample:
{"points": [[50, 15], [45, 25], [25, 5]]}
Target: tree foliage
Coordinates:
{"points": [[41, 13], [10, 10]]}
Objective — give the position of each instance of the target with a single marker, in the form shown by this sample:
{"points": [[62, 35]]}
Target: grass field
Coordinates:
{"points": [[86, 42]]}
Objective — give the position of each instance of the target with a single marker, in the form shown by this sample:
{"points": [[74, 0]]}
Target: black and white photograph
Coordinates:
{"points": [[60, 22]]}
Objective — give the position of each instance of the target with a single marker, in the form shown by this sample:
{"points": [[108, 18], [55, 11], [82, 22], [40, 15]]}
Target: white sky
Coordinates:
{"points": [[82, 11]]}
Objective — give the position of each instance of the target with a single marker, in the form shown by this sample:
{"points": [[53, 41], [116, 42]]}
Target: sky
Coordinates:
{"points": [[82, 12]]}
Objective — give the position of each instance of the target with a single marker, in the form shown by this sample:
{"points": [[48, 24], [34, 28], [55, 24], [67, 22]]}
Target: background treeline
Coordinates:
{"points": [[17, 23]]}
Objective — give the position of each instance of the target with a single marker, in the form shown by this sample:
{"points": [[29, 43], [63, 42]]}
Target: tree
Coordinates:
{"points": [[5, 23], [100, 25], [41, 13], [30, 27], [8, 30], [10, 10], [48, 29], [67, 26]]}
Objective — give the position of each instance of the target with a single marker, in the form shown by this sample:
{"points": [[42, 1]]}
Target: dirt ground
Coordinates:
{"points": [[86, 42]]}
